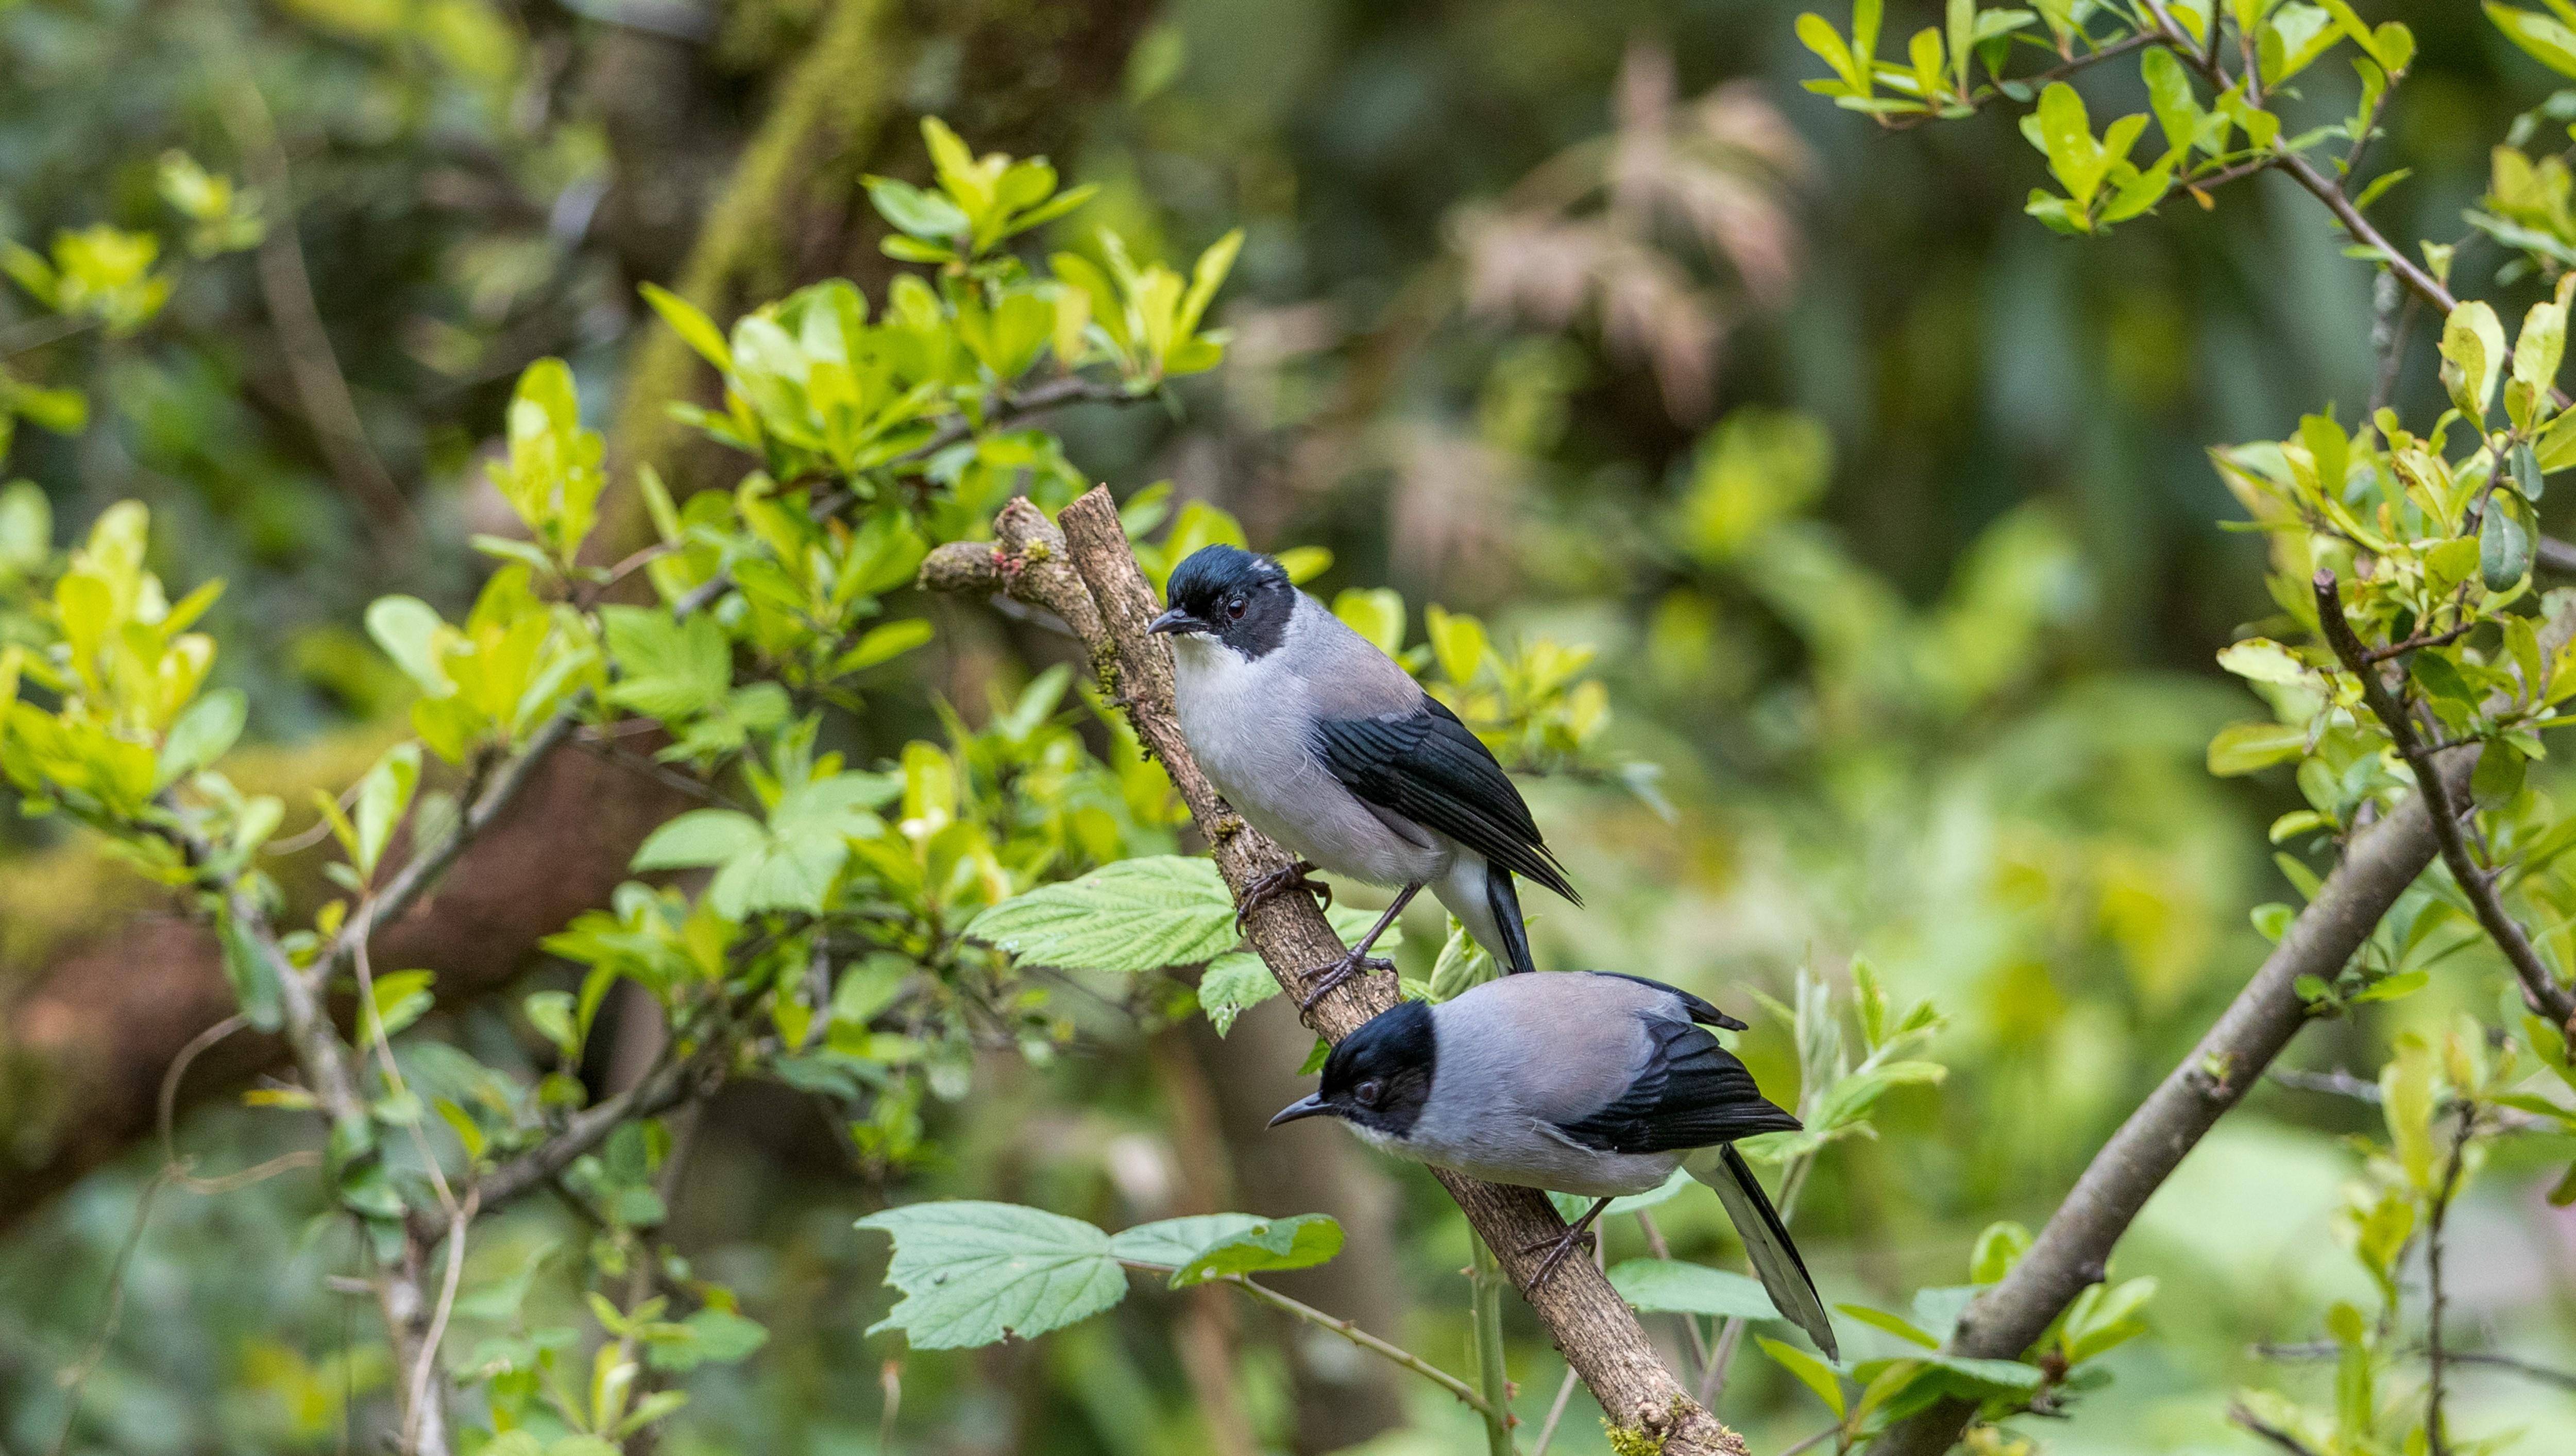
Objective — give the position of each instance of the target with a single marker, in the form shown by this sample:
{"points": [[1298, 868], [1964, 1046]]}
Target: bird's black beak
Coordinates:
{"points": [[1174, 620], [1311, 1105]]}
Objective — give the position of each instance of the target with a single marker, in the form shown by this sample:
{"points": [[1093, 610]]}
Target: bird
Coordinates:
{"points": [[1324, 743], [1584, 1082]]}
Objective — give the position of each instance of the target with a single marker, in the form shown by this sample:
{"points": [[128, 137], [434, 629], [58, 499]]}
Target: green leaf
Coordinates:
{"points": [[975, 1273], [2548, 41], [667, 669], [2178, 111], [2497, 779], [1233, 984], [2473, 353], [883, 644], [1271, 1244], [693, 326], [1670, 1286], [407, 628], [2066, 135], [1813, 1373], [2242, 748], [1174, 1242], [253, 974], [2259, 659], [204, 733], [2504, 547], [1998, 1249], [698, 838], [925, 215], [1135, 915], [1376, 613], [1896, 1325], [713, 1337]]}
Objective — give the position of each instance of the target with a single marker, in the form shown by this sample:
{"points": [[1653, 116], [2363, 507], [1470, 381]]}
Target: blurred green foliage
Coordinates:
{"points": [[1916, 609]]}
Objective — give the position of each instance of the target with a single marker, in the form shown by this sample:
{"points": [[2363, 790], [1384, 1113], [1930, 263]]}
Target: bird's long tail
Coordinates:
{"points": [[1766, 1242], [1505, 903]]}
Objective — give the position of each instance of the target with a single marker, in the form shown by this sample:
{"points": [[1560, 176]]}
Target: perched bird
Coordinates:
{"points": [[1589, 1083], [1323, 743]]}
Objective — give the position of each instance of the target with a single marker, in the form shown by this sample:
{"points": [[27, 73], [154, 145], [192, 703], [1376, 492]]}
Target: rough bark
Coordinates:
{"points": [[1588, 1321]]}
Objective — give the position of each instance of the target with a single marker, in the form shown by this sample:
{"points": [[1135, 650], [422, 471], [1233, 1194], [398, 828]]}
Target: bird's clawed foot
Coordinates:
{"points": [[1297, 876], [1557, 1248], [1322, 979], [1577, 1237]]}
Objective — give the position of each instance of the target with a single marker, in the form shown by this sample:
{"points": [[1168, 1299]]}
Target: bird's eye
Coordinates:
{"points": [[1234, 610], [1369, 1091]]}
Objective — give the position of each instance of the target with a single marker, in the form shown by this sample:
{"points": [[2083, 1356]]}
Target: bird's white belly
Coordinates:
{"points": [[1244, 728]]}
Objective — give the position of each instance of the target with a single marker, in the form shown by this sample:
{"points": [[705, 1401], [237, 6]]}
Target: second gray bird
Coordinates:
{"points": [[1325, 744], [1587, 1083]]}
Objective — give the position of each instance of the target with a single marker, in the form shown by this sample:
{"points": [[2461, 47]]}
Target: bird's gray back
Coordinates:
{"points": [[1522, 1056]]}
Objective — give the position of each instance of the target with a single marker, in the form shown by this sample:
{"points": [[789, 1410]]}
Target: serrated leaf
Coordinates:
{"points": [[1138, 914], [1233, 984], [974, 1273], [1173, 1242]]}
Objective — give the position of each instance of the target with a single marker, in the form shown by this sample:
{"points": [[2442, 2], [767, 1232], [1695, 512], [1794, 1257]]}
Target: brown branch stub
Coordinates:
{"points": [[1107, 602], [2540, 985]]}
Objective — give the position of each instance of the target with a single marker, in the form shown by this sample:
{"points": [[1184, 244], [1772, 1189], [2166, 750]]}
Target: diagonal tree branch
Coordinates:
{"points": [[2072, 1252], [1087, 574]]}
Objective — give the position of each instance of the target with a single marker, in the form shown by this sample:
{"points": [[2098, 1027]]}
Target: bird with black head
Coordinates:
{"points": [[1324, 743]]}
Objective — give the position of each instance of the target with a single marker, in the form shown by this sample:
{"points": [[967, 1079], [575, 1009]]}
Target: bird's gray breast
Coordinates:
{"points": [[1249, 724]]}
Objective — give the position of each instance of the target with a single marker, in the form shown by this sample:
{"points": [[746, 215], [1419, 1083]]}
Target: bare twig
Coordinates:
{"points": [[2437, 1440], [2540, 985], [1656, 1246], [1362, 1338], [1105, 599], [315, 367], [424, 867], [76, 1378], [2269, 1432]]}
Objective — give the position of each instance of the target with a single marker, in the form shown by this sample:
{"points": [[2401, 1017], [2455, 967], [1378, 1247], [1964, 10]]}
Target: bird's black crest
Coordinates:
{"points": [[1397, 1051], [1241, 599]]}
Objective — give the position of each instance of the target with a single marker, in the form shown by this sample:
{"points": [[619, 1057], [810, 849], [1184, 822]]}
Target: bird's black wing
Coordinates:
{"points": [[1427, 766], [1700, 1010], [1690, 1093]]}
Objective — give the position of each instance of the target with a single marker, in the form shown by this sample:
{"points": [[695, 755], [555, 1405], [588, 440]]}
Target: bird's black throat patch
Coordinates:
{"points": [[1396, 1053], [1241, 599]]}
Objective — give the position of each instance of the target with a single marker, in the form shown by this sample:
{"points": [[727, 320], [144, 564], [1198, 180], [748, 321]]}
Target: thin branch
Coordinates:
{"points": [[1656, 1246], [2540, 986], [1104, 597], [287, 287], [2072, 1251], [673, 1084], [2437, 1440], [1466, 1393], [426, 1369], [423, 869], [2269, 1432]]}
